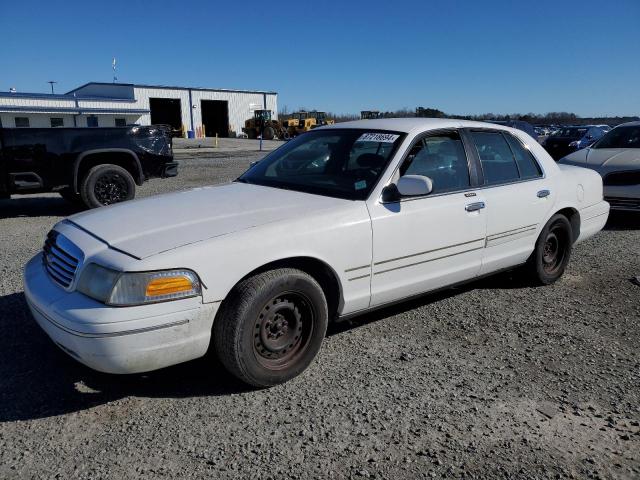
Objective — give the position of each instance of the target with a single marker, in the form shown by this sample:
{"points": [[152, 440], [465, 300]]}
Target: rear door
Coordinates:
{"points": [[518, 197], [424, 243]]}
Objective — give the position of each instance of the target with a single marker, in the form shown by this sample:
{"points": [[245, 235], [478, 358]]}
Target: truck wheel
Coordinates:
{"points": [[105, 185], [553, 249], [268, 133], [70, 196], [271, 327], [251, 134]]}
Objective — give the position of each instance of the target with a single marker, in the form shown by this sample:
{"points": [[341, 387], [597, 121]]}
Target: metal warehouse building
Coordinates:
{"points": [[204, 111]]}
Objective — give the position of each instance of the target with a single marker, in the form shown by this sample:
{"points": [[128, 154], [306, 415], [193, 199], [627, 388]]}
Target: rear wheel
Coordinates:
{"points": [[105, 185], [271, 327], [553, 249]]}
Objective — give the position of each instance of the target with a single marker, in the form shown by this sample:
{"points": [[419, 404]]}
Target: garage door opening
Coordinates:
{"points": [[166, 111], [215, 117]]}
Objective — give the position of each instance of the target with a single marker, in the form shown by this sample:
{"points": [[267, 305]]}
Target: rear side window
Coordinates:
{"points": [[498, 163], [527, 165]]}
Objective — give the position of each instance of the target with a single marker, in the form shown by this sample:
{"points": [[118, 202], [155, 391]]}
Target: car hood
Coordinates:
{"points": [[145, 227], [606, 157]]}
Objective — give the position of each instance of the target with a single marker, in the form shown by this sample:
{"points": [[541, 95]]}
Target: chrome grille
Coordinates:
{"points": [[61, 258]]}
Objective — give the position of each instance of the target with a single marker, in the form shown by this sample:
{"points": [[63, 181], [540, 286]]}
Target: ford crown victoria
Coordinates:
{"points": [[339, 221]]}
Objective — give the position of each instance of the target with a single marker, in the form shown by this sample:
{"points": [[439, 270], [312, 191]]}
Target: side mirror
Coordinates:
{"points": [[414, 185]]}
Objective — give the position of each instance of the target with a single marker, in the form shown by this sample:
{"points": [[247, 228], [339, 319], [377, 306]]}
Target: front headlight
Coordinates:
{"points": [[137, 288]]}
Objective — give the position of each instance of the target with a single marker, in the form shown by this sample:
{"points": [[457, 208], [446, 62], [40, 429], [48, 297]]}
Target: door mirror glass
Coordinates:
{"points": [[414, 185]]}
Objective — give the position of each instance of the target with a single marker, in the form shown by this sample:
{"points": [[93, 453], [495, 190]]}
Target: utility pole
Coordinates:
{"points": [[51, 82]]}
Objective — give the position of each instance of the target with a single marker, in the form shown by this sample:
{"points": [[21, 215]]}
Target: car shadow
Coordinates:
{"points": [[38, 380], [623, 221], [35, 206]]}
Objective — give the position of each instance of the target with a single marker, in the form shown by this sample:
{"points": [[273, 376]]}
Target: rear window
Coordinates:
{"points": [[503, 158], [570, 132], [621, 137], [498, 163]]}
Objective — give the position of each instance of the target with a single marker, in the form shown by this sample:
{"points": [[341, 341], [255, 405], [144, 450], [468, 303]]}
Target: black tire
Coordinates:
{"points": [[251, 134], [105, 185], [271, 327], [70, 196], [553, 250], [268, 133]]}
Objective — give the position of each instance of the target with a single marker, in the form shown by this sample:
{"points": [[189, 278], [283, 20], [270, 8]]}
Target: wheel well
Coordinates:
{"points": [[122, 159], [320, 271], [574, 218]]}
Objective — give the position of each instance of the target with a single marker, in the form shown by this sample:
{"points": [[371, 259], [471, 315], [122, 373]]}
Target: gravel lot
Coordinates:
{"points": [[495, 379]]}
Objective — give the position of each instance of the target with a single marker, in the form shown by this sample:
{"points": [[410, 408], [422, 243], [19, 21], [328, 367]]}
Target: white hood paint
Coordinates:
{"points": [[153, 225]]}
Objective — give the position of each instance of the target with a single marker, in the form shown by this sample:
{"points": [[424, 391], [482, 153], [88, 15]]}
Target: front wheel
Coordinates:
{"points": [[271, 327], [553, 249], [105, 185]]}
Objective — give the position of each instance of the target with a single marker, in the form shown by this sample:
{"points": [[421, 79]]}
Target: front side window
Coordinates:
{"points": [[527, 165], [343, 163], [498, 164], [621, 137], [57, 122], [22, 122], [441, 158]]}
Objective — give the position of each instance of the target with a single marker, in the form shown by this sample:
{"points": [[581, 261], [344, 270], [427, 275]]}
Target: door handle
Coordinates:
{"points": [[472, 207], [543, 193]]}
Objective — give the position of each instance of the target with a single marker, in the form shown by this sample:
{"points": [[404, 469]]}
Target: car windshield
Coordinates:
{"points": [[621, 137], [344, 163], [570, 132]]}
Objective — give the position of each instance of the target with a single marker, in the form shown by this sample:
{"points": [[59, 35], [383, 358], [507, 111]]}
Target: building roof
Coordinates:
{"points": [[169, 87], [62, 96]]}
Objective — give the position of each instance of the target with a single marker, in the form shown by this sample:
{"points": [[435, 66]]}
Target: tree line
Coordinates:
{"points": [[550, 118]]}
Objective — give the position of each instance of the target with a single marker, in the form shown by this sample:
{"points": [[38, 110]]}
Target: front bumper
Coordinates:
{"points": [[170, 170], [118, 339]]}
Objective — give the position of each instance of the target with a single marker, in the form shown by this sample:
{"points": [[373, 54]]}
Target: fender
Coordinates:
{"points": [[76, 163]]}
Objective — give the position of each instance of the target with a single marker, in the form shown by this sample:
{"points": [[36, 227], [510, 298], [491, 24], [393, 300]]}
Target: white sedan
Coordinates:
{"points": [[334, 223]]}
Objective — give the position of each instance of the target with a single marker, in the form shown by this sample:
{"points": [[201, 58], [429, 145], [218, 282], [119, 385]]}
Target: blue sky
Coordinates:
{"points": [[462, 57]]}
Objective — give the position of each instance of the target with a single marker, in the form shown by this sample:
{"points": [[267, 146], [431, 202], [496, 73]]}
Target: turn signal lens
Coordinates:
{"points": [[168, 285], [150, 287]]}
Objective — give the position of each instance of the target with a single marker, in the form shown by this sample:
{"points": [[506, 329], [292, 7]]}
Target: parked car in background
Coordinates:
{"points": [[338, 221], [88, 166], [616, 156], [519, 124], [569, 139]]}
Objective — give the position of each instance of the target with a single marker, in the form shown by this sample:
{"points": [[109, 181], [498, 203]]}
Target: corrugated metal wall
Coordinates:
{"points": [[240, 106]]}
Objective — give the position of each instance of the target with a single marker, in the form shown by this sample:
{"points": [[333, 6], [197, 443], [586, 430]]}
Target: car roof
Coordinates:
{"points": [[408, 125], [635, 123]]}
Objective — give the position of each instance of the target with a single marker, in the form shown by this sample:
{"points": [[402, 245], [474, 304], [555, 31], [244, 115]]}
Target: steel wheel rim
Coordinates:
{"points": [[554, 250], [283, 330], [110, 188]]}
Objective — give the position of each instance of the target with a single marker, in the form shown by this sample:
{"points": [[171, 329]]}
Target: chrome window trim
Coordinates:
{"points": [[469, 161]]}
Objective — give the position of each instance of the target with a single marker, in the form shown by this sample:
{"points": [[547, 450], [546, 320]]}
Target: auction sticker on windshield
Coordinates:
{"points": [[378, 137]]}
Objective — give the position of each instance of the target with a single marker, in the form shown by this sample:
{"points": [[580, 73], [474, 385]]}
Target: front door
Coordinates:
{"points": [[518, 198], [424, 243]]}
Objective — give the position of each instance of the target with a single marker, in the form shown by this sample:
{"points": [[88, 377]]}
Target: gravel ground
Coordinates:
{"points": [[495, 379]]}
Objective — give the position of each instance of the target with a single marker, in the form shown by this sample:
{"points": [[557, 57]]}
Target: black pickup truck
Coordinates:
{"points": [[89, 166]]}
